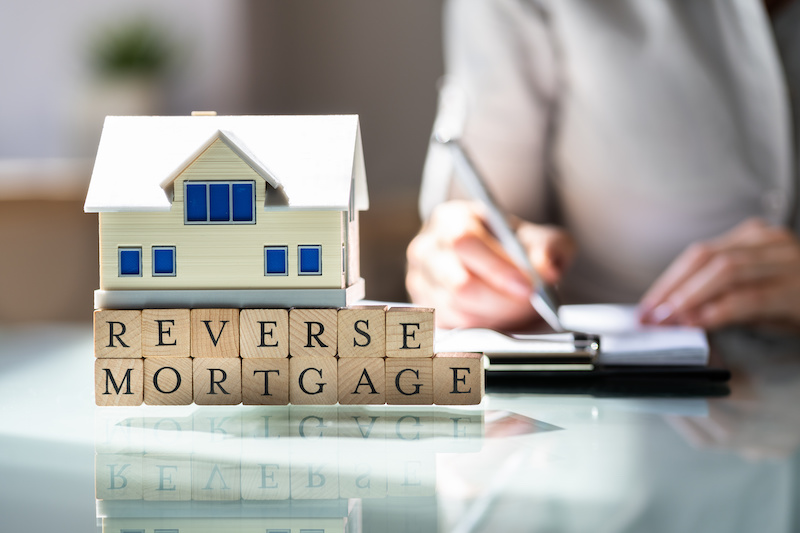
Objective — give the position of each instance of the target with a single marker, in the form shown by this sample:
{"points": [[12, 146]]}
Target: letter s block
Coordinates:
{"points": [[313, 381], [118, 382], [409, 332], [168, 381], [458, 378], [362, 331], [118, 334]]}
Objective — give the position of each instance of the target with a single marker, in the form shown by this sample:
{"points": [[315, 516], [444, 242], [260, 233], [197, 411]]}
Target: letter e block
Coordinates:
{"points": [[362, 331], [312, 332], [118, 382], [312, 381], [265, 381], [409, 381], [409, 332], [168, 381], [217, 381], [362, 381], [166, 333], [264, 333], [118, 334], [215, 333], [458, 378]]}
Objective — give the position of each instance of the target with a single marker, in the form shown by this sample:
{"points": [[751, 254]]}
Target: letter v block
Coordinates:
{"points": [[215, 333], [409, 332], [312, 332], [362, 381], [118, 382], [118, 334]]}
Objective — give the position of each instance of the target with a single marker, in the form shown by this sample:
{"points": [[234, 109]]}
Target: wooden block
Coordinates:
{"points": [[118, 334], [409, 381], [167, 477], [168, 381], [217, 381], [215, 480], [409, 332], [458, 378], [264, 333], [265, 381], [118, 476], [362, 381], [362, 331], [312, 381], [166, 333], [118, 382], [269, 479], [312, 332], [215, 333]]}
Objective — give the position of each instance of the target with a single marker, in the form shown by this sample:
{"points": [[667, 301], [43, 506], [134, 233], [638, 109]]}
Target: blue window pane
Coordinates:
{"points": [[242, 202], [310, 260], [275, 260], [163, 261], [219, 202], [196, 202], [130, 262]]}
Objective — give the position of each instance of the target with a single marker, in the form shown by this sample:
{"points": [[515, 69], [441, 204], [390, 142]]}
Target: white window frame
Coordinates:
{"points": [[299, 261], [285, 259], [119, 261], [174, 261]]}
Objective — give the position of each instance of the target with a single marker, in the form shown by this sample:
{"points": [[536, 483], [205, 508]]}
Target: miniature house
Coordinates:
{"points": [[229, 211]]}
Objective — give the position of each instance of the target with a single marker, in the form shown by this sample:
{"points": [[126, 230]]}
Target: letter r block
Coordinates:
{"points": [[362, 381], [313, 381], [409, 381], [215, 333], [312, 332], [168, 381], [166, 333], [217, 381], [118, 334], [118, 382], [409, 332], [458, 378]]}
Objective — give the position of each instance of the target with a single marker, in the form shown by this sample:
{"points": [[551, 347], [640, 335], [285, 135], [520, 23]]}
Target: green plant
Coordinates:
{"points": [[136, 47]]}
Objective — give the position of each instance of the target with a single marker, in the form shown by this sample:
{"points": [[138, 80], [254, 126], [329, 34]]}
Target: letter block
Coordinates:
{"points": [[362, 331], [409, 381], [409, 332], [265, 381], [118, 476], [118, 334], [215, 333], [362, 381], [312, 381], [118, 382], [217, 381], [312, 332], [166, 333], [168, 381], [458, 378], [264, 333]]}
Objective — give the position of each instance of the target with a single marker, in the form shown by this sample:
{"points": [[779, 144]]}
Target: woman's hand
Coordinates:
{"points": [[750, 275], [457, 266]]}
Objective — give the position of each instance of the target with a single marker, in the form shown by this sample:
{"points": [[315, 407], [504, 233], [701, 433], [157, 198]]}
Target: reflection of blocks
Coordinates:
{"points": [[118, 382], [118, 334], [215, 480], [409, 381], [167, 477], [362, 381], [215, 333], [265, 381], [217, 381], [458, 378], [314, 478], [458, 430], [166, 333], [362, 472], [118, 476], [312, 381], [409, 332], [313, 425], [269, 479], [264, 333], [312, 332], [411, 474], [168, 381], [362, 331]]}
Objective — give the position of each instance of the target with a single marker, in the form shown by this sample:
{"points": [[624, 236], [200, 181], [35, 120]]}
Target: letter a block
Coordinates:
{"points": [[215, 333], [362, 331], [118, 382], [264, 333], [166, 333], [409, 332], [409, 381], [312, 381], [458, 378], [312, 332], [217, 381], [362, 381], [168, 381], [265, 381], [118, 334]]}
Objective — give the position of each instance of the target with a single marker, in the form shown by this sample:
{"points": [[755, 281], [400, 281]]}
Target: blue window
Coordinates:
{"points": [[163, 260], [220, 202], [309, 260], [276, 260], [130, 261]]}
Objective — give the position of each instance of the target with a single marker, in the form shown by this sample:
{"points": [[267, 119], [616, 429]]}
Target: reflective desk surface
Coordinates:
{"points": [[590, 460]]}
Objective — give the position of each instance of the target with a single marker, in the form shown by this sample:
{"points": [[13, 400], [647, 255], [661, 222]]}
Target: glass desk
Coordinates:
{"points": [[518, 462]]}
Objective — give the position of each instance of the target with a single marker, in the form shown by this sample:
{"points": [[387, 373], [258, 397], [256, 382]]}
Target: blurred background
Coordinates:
{"points": [[65, 65]]}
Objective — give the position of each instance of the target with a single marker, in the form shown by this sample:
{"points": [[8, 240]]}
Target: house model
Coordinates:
{"points": [[229, 211]]}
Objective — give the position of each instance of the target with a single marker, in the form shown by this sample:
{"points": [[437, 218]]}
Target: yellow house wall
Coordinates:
{"points": [[221, 256]]}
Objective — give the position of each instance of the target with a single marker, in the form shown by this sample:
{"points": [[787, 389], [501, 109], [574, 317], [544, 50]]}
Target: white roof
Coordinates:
{"points": [[313, 158]]}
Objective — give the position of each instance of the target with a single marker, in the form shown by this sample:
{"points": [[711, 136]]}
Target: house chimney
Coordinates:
{"points": [[204, 113]]}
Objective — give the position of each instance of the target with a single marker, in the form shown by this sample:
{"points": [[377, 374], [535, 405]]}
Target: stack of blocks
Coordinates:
{"points": [[361, 355]]}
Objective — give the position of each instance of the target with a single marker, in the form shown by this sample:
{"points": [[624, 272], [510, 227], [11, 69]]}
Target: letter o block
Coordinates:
{"points": [[313, 381], [168, 381], [409, 332], [409, 381], [458, 378]]}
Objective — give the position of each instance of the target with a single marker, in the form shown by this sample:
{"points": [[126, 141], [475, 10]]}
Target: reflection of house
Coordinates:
{"points": [[228, 211]]}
